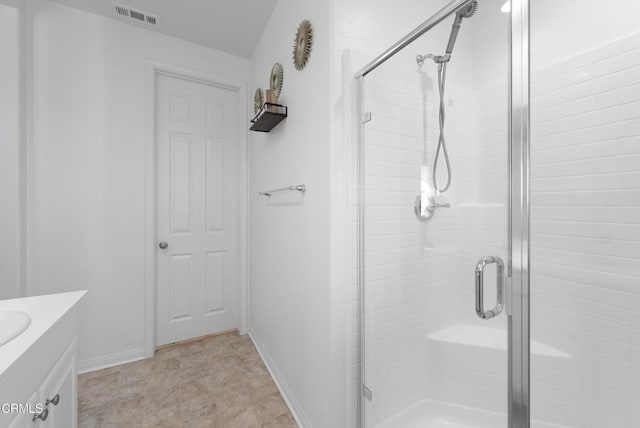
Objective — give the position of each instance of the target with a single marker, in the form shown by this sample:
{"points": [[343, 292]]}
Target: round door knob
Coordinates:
{"points": [[42, 415], [164, 245], [55, 400]]}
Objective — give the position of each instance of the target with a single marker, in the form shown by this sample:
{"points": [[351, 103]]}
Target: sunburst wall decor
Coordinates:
{"points": [[302, 44], [258, 100], [276, 78]]}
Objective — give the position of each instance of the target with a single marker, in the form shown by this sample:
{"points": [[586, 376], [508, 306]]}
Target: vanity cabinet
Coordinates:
{"points": [[58, 393], [39, 366]]}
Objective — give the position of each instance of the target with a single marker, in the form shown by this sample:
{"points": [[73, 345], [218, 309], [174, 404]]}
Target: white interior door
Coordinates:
{"points": [[197, 209]]}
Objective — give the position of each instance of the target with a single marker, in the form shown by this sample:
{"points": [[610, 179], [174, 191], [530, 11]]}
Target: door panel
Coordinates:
{"points": [[59, 390], [197, 209], [215, 184], [429, 359], [180, 286], [215, 275], [180, 173]]}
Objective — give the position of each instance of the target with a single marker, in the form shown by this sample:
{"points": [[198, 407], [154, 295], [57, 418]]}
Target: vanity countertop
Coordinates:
{"points": [[44, 311]]}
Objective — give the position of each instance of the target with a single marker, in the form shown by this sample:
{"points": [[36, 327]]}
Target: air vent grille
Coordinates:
{"points": [[122, 10], [139, 16], [136, 15]]}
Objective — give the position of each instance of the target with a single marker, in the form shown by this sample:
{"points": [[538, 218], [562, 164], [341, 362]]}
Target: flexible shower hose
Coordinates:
{"points": [[442, 145]]}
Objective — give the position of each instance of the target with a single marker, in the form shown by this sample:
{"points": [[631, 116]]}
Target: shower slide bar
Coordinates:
{"points": [[438, 17], [300, 188]]}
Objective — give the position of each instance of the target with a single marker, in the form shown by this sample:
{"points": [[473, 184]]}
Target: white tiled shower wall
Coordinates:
{"points": [[585, 241], [585, 237]]}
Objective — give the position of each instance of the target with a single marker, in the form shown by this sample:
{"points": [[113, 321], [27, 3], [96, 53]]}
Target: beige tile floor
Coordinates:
{"points": [[217, 381]]}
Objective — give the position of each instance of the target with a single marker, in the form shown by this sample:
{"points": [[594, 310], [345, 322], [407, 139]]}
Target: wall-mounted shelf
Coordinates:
{"points": [[268, 117]]}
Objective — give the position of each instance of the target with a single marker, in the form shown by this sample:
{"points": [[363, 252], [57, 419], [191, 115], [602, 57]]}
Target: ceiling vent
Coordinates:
{"points": [[127, 12]]}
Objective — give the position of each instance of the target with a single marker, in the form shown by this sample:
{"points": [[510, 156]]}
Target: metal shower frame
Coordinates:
{"points": [[518, 284]]}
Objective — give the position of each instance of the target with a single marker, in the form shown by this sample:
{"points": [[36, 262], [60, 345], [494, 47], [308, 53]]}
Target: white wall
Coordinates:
{"points": [[88, 167], [291, 309], [10, 155]]}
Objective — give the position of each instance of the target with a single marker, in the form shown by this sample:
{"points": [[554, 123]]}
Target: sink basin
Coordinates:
{"points": [[12, 323]]}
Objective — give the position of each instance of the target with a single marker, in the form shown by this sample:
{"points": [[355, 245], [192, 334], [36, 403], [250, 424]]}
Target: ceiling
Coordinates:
{"points": [[232, 26]]}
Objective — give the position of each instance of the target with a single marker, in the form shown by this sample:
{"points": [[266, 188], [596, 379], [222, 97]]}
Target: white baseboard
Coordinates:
{"points": [[283, 387], [110, 360]]}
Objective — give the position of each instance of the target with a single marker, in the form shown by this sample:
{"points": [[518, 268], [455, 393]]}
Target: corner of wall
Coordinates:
{"points": [[293, 307]]}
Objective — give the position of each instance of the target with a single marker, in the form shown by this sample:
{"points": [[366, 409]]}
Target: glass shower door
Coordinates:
{"points": [[432, 261]]}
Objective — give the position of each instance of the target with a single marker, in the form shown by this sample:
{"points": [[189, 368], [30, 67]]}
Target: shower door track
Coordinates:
{"points": [[518, 303]]}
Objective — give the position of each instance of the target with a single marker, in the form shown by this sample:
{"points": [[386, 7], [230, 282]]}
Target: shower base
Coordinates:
{"points": [[434, 414]]}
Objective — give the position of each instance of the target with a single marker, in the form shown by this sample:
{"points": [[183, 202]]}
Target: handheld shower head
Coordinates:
{"points": [[468, 10], [465, 12]]}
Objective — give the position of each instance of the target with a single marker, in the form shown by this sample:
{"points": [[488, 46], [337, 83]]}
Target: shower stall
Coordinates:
{"points": [[498, 219]]}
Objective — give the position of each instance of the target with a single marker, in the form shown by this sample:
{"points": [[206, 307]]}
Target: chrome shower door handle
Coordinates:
{"points": [[497, 309]]}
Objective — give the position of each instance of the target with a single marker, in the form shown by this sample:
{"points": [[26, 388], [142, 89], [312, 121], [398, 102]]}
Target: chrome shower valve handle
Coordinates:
{"points": [[425, 214]]}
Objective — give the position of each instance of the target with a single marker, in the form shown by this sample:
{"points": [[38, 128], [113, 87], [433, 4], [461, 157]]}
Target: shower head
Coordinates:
{"points": [[468, 10], [465, 12]]}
